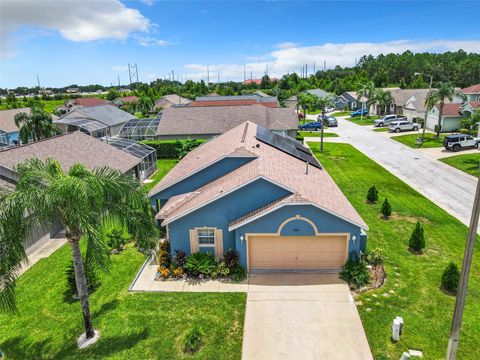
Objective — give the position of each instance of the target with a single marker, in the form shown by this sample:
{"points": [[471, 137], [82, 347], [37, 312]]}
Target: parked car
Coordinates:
{"points": [[331, 121], [314, 125], [359, 112], [460, 141], [388, 119], [330, 109], [398, 126]]}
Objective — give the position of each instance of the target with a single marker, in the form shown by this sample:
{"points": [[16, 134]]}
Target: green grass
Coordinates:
{"points": [[415, 280], [468, 163], [316, 133], [48, 105], [132, 325], [163, 167], [381, 129], [341, 113], [363, 121], [430, 140]]}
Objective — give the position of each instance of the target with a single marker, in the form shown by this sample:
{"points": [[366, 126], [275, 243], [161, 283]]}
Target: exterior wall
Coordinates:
{"points": [[199, 179], [221, 212], [324, 222], [13, 137], [451, 123]]}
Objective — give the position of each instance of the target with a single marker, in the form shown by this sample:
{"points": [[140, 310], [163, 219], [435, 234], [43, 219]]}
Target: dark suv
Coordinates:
{"points": [[459, 141]]}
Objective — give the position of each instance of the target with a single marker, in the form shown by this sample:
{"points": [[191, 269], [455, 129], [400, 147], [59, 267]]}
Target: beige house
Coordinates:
{"points": [[167, 101]]}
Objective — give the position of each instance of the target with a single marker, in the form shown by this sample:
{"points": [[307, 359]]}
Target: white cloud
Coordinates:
{"points": [[286, 45], [147, 41], [74, 20], [289, 58]]}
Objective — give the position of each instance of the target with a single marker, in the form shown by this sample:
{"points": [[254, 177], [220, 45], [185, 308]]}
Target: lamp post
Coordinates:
{"points": [[363, 103], [426, 110]]}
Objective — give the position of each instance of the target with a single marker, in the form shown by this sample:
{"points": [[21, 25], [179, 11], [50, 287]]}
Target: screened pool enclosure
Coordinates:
{"points": [[140, 129]]}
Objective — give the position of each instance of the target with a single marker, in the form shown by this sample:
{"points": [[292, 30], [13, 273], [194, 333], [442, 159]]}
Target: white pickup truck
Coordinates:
{"points": [[387, 119], [398, 126]]}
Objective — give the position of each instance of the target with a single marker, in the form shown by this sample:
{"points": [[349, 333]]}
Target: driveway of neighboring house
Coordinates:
{"points": [[302, 316], [451, 189]]}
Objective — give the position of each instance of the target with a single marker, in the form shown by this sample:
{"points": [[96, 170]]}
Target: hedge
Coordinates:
{"points": [[167, 149]]}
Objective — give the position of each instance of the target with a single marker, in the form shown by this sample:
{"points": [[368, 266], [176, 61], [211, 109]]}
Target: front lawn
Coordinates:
{"points": [[412, 285], [430, 141], [303, 134], [132, 325], [381, 129], [370, 120], [341, 113], [468, 163], [163, 167]]}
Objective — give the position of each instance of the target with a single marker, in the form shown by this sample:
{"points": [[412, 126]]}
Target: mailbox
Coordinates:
{"points": [[397, 326]]}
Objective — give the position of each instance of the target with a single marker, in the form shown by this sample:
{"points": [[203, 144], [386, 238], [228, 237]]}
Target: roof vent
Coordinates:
{"points": [[306, 167], [257, 146]]}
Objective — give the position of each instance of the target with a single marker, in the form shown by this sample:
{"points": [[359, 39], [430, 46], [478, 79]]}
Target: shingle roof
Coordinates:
{"points": [[69, 149], [219, 119], [172, 99], [450, 109], [312, 187], [271, 104], [318, 92], [352, 96], [401, 96], [7, 119], [90, 101], [107, 114], [474, 89]]}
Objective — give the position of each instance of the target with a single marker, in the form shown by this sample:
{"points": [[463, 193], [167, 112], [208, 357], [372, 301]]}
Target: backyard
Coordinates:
{"points": [[468, 163], [48, 105], [412, 288], [431, 141], [163, 167]]}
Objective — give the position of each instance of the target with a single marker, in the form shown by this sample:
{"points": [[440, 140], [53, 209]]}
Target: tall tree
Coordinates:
{"points": [[307, 102], [81, 200], [36, 126], [365, 92], [323, 103], [445, 92], [146, 104]]}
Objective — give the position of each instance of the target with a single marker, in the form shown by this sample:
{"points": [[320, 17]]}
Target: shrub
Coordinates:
{"points": [[164, 272], [355, 273], [164, 257], [200, 263], [180, 258], [232, 259], [417, 240], [451, 278], [116, 240], [386, 209], [192, 341], [178, 272], [372, 195], [239, 274], [374, 257], [93, 283], [220, 271]]}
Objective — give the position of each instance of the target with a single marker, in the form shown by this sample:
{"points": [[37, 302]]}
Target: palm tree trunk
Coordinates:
{"points": [[81, 281], [440, 115], [323, 125]]}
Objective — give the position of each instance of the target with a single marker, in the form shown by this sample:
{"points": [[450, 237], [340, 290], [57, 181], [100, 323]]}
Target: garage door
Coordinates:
{"points": [[297, 252]]}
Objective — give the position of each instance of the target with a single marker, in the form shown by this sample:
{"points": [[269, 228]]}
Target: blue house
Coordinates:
{"points": [[9, 132], [262, 194]]}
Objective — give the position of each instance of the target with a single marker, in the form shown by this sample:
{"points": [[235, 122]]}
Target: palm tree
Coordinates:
{"points": [[81, 200], [382, 98], [323, 103], [146, 104], [36, 126], [307, 102], [366, 91], [444, 92]]}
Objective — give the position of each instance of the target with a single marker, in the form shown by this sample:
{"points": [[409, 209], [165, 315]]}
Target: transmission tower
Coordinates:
{"points": [[133, 72]]}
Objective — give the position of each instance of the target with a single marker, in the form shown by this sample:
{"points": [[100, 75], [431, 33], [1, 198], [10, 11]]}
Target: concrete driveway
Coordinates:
{"points": [[302, 316], [451, 189]]}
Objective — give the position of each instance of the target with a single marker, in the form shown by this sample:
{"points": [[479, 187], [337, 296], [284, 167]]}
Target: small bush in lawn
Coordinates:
{"points": [[372, 195], [93, 283], [192, 341], [116, 240], [386, 209], [374, 257], [417, 240], [200, 264], [451, 278], [232, 259], [239, 274], [180, 258], [355, 273]]}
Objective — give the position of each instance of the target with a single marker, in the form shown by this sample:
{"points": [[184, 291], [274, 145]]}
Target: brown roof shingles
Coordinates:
{"points": [[271, 164], [7, 119], [70, 149], [215, 120], [474, 89]]}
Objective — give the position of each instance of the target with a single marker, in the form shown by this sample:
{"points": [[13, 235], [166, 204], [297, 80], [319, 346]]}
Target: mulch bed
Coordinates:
{"points": [[378, 278]]}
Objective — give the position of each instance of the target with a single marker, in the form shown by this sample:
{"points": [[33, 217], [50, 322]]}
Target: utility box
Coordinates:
{"points": [[397, 326], [405, 356]]}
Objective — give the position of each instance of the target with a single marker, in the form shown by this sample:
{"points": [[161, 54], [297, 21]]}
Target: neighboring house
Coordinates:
{"points": [[414, 107], [263, 195], [453, 113], [68, 149], [257, 81], [97, 121], [472, 93], [206, 122], [239, 100], [291, 102], [167, 101], [261, 93], [79, 104], [122, 101], [349, 101], [9, 132]]}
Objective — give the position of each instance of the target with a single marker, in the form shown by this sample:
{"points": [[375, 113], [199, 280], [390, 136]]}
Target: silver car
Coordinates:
{"points": [[398, 126]]}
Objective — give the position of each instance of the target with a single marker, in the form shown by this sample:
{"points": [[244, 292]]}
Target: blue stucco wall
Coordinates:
{"points": [[13, 136], [219, 213], [324, 221], [200, 179]]}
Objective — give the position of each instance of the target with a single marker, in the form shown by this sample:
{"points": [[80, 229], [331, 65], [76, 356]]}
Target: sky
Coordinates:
{"points": [[91, 42]]}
